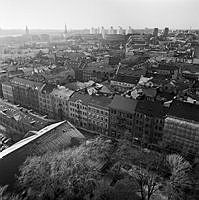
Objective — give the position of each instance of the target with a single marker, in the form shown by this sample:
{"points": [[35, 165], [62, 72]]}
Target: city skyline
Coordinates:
{"points": [[76, 14]]}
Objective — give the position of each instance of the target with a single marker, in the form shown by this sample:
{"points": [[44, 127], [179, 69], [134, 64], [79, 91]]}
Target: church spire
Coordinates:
{"points": [[27, 30], [65, 30]]}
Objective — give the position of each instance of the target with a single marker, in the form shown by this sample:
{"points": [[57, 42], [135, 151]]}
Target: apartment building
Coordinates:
{"points": [[181, 129]]}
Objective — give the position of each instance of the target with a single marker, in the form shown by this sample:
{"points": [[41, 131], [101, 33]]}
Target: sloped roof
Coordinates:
{"points": [[151, 108], [69, 132], [184, 110], [27, 83], [123, 104]]}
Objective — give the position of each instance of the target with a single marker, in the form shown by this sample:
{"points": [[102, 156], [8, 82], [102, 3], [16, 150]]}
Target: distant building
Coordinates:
{"points": [[51, 138], [27, 31], [103, 32], [129, 30], [167, 70], [166, 32], [155, 32], [97, 71], [121, 31]]}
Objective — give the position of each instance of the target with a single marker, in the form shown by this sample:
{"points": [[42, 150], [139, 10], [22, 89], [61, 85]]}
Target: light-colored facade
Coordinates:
{"points": [[45, 101], [98, 119], [78, 112], [59, 99], [7, 91], [183, 133]]}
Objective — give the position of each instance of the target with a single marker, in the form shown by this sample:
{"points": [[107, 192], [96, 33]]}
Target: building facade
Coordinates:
{"points": [[25, 92], [121, 116], [7, 91], [181, 130], [45, 100]]}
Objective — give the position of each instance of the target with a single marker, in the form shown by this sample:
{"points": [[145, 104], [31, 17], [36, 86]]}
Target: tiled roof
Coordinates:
{"points": [[80, 95], [123, 104], [126, 79], [69, 131], [151, 108], [27, 83], [25, 117], [48, 88], [166, 66], [87, 99], [184, 110], [101, 101]]}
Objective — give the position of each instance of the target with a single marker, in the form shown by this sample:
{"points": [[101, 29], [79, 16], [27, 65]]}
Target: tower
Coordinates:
{"points": [[65, 29], [27, 30], [166, 32], [155, 32]]}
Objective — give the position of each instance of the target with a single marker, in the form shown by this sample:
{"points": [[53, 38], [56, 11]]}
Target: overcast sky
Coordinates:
{"points": [[53, 14]]}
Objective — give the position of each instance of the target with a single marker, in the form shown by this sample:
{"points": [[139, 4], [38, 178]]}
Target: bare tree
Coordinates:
{"points": [[179, 181]]}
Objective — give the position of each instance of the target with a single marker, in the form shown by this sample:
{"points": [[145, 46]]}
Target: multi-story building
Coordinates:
{"points": [[98, 114], [181, 129], [166, 70], [127, 77], [121, 116], [7, 91], [98, 72], [78, 108], [90, 111], [25, 92], [59, 100], [18, 121], [142, 119], [45, 100], [149, 121]]}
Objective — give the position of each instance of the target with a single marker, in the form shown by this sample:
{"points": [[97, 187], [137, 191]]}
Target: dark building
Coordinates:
{"points": [[166, 32], [121, 116], [149, 121], [155, 32], [142, 119]]}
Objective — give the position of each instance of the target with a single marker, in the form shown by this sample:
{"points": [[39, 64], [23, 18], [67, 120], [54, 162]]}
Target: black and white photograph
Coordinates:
{"points": [[99, 99]]}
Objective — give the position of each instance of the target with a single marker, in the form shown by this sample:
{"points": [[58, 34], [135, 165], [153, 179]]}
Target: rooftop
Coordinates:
{"points": [[26, 83], [62, 92], [69, 131], [151, 108], [184, 110], [123, 104], [23, 115]]}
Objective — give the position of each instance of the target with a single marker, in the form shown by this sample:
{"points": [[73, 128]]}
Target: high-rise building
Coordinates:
{"points": [[93, 30], [103, 32], [120, 31], [155, 32], [129, 30], [166, 32], [65, 30], [111, 31]]}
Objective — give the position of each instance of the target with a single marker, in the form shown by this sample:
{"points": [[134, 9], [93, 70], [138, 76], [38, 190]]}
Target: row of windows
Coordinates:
{"points": [[78, 106]]}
